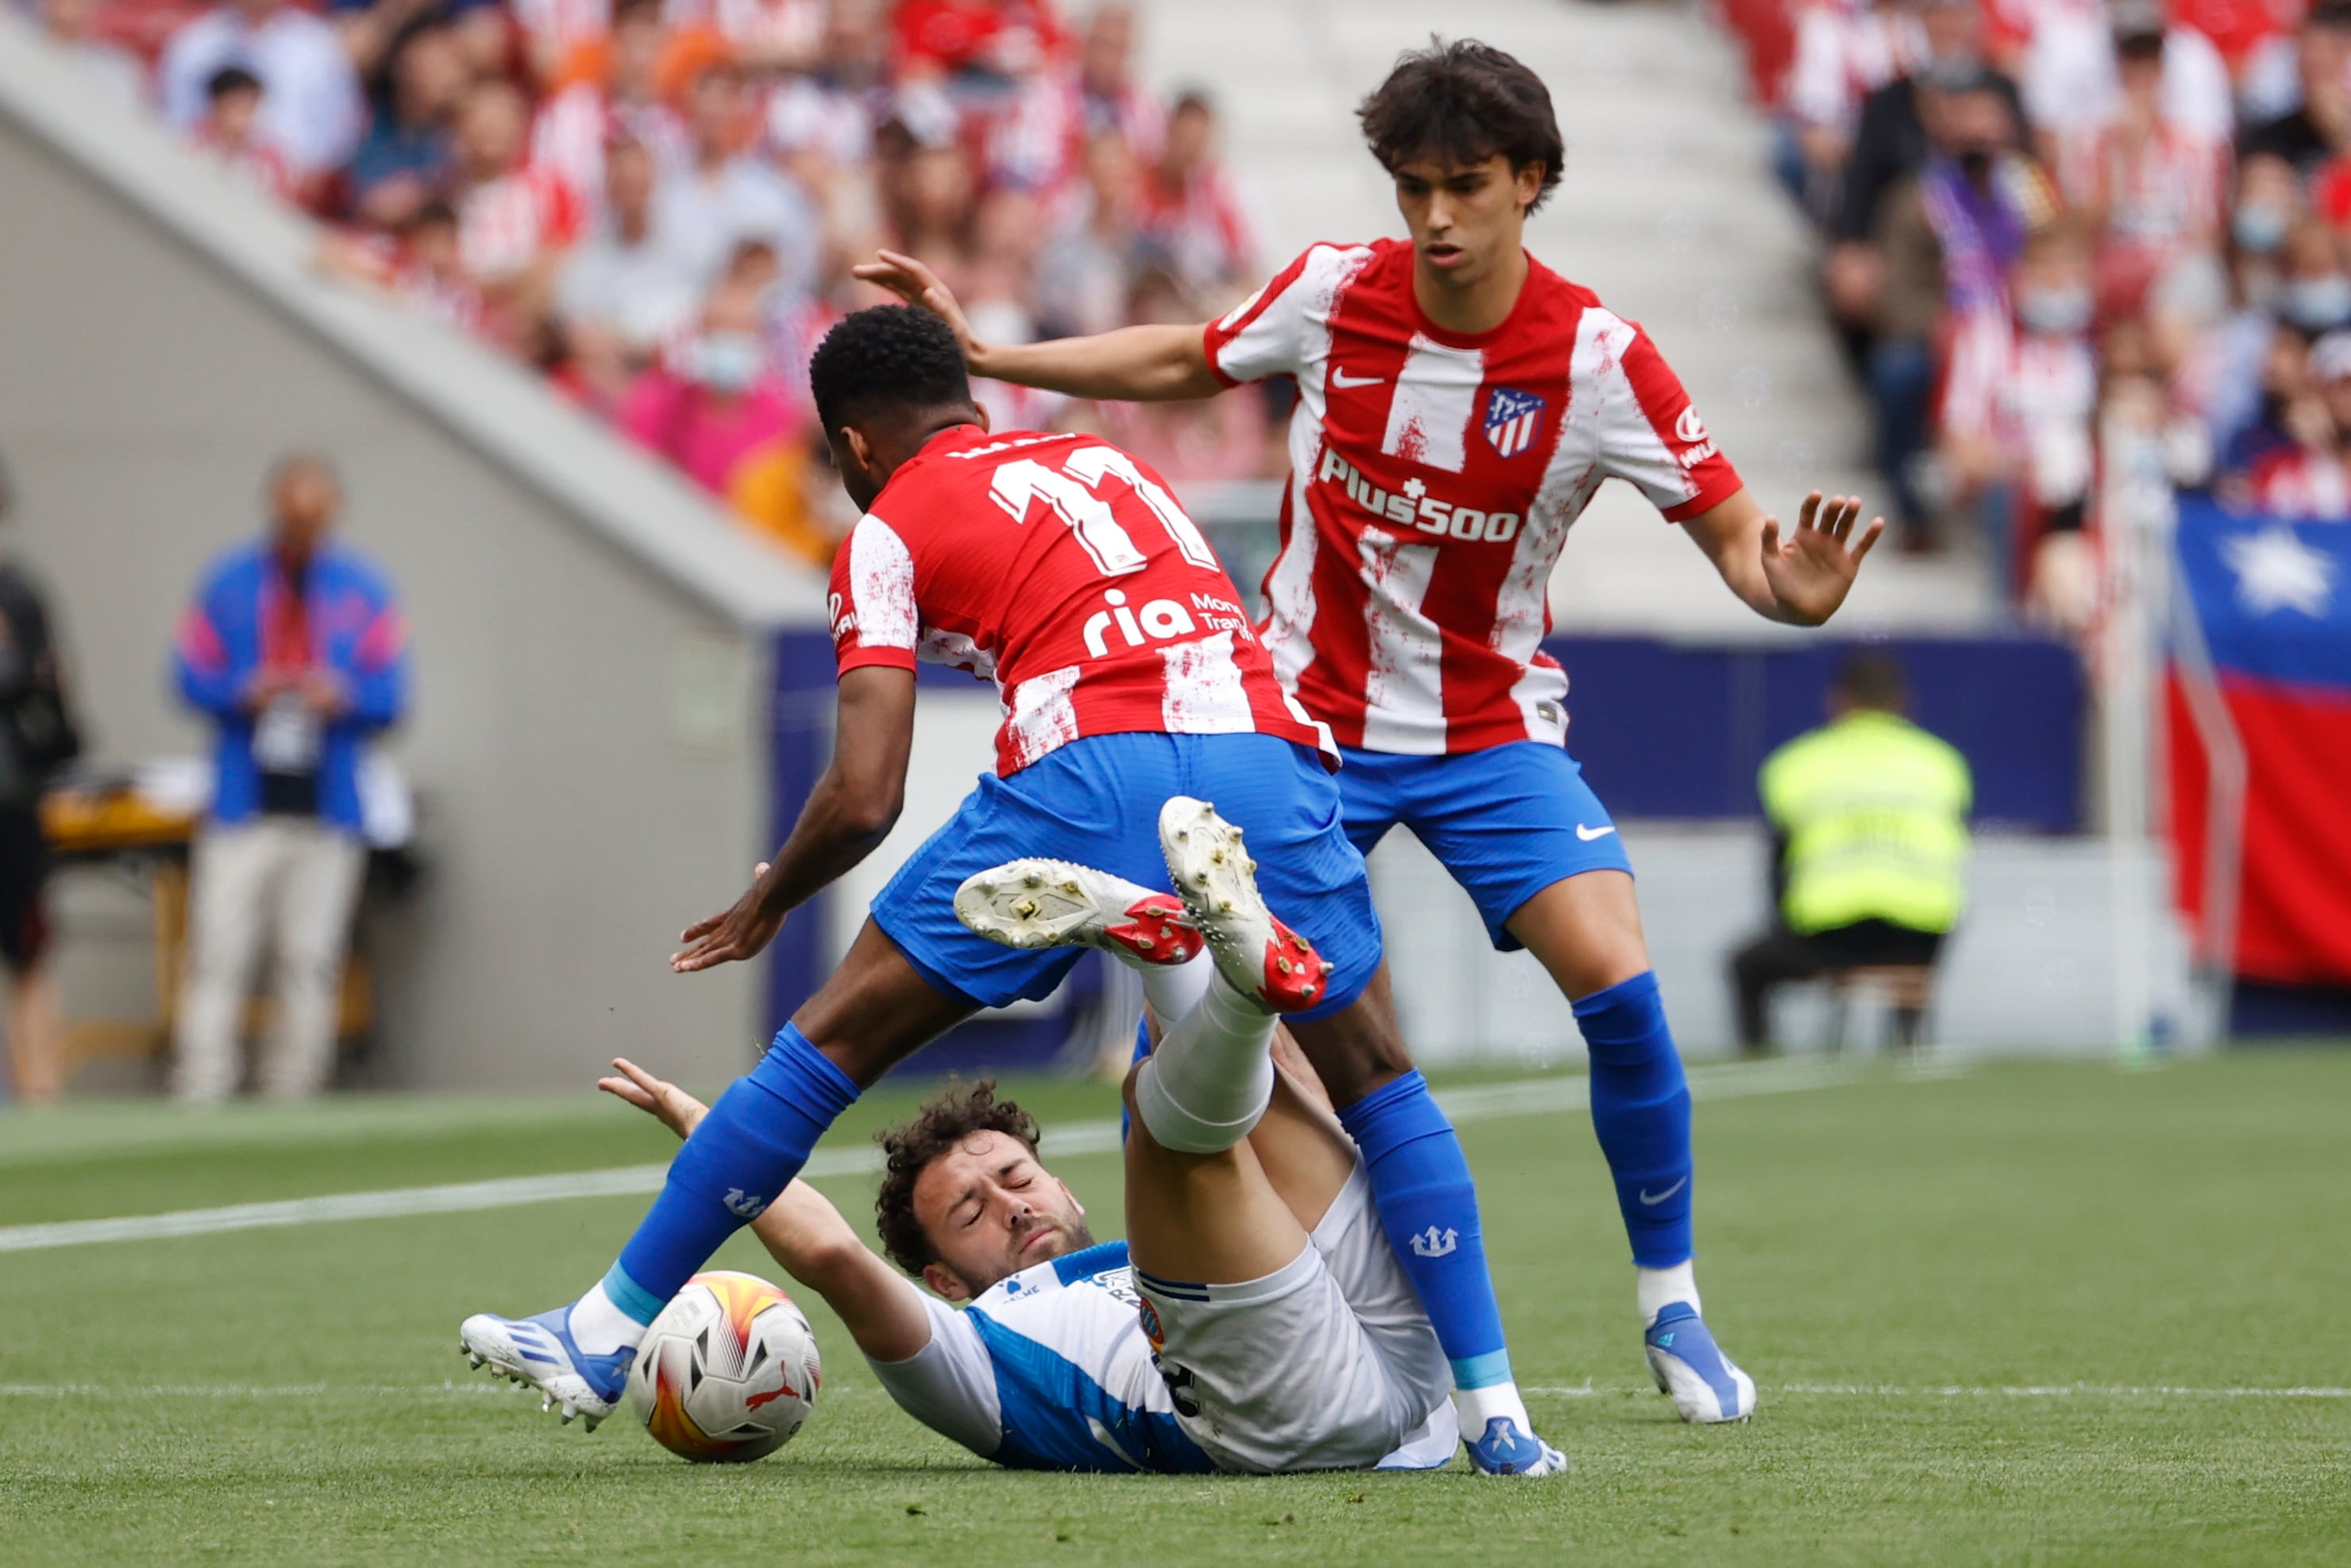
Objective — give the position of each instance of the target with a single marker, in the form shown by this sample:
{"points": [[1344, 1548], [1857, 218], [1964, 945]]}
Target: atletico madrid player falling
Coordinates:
{"points": [[1458, 404]]}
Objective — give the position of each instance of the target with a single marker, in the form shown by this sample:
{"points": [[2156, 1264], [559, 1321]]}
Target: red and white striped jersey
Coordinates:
{"points": [[1063, 570], [507, 224], [1433, 480]]}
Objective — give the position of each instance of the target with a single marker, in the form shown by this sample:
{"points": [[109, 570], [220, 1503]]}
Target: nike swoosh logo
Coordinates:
{"points": [[1661, 1198], [1340, 378], [1588, 834]]}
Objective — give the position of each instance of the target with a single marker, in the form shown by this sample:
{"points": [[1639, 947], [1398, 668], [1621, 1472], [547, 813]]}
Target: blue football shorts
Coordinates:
{"points": [[1096, 801], [1507, 821]]}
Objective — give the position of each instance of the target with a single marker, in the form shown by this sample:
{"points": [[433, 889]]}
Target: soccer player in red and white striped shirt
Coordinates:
{"points": [[1458, 404]]}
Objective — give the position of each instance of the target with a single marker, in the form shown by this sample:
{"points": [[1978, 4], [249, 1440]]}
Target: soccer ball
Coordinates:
{"points": [[727, 1372]]}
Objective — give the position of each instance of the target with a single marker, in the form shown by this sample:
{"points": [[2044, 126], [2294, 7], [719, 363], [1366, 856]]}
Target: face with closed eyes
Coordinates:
{"points": [[991, 1211]]}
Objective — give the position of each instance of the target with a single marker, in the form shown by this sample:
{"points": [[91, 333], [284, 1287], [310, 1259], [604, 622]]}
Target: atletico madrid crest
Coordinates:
{"points": [[1511, 418]]}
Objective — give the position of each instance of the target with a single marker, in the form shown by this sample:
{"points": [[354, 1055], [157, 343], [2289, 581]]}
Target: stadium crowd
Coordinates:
{"points": [[657, 201], [2038, 213]]}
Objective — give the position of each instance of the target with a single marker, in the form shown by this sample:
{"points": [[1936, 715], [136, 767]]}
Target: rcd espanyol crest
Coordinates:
{"points": [[1511, 418]]}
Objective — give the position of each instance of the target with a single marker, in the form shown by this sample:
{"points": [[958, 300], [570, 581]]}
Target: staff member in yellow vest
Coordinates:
{"points": [[1869, 833]]}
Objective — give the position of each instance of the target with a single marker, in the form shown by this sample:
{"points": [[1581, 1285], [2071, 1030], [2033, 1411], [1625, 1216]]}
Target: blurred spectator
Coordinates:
{"points": [[724, 194], [514, 221], [761, 36], [38, 737], [407, 157], [985, 42], [1944, 241], [295, 651], [1869, 845], [420, 263], [1891, 137], [312, 112], [623, 293], [611, 92], [821, 123], [1845, 51], [2048, 412], [2320, 128], [715, 410], [113, 71], [2304, 475], [2072, 82], [229, 136], [429, 270], [2153, 190], [1037, 143], [1081, 279], [1197, 224]]}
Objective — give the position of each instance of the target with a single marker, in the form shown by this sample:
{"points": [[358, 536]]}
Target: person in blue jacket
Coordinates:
{"points": [[295, 650]]}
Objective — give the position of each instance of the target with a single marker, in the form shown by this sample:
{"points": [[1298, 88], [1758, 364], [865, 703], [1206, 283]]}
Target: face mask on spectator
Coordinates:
{"points": [[2259, 227], [723, 362], [2315, 304], [2059, 312]]}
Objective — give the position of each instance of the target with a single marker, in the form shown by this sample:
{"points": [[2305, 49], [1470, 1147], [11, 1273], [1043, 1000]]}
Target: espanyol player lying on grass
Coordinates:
{"points": [[1458, 404], [1254, 1319], [1062, 569]]}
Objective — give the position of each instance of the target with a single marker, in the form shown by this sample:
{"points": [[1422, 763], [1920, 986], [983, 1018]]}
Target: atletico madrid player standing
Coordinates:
{"points": [[1458, 404]]}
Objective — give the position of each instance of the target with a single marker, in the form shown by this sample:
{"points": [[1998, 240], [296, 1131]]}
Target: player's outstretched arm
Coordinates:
{"points": [[1132, 364], [1797, 575], [805, 1235], [850, 813]]}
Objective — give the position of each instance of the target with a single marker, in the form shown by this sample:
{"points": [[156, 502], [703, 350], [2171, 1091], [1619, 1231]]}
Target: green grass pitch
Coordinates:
{"points": [[2030, 1314]]}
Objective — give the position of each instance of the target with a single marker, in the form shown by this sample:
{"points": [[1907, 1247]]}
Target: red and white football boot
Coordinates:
{"points": [[1058, 904], [1257, 954]]}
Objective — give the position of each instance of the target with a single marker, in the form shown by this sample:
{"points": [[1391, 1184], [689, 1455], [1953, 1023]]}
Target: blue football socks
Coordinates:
{"points": [[1641, 1109], [744, 1153], [1428, 1206]]}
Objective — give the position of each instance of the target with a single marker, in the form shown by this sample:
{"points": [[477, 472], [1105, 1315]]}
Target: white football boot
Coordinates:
{"points": [[1257, 954], [1058, 904], [1707, 1385], [539, 1352]]}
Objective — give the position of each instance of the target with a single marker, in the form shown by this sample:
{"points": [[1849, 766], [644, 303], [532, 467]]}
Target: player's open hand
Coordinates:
{"points": [[916, 284], [731, 935], [669, 1104], [1811, 569]]}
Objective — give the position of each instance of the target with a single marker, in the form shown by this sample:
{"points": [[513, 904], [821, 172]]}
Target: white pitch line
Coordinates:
{"points": [[1957, 1391], [1835, 1390], [1527, 1096]]}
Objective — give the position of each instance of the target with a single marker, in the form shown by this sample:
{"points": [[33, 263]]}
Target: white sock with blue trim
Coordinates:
{"points": [[1211, 1078], [1657, 1289], [598, 1325]]}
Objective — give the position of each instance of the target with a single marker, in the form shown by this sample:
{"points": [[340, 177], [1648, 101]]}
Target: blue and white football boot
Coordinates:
{"points": [[539, 1352], [1505, 1450], [1705, 1384]]}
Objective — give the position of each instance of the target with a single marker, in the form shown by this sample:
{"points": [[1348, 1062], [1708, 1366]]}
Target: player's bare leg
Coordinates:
{"points": [[1586, 931]]}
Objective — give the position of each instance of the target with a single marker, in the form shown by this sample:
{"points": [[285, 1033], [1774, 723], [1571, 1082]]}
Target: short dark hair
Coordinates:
{"points": [[229, 79], [949, 1117], [1872, 678], [884, 356], [1463, 102]]}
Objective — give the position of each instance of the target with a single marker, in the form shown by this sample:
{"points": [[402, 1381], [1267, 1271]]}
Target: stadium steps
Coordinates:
{"points": [[1668, 209]]}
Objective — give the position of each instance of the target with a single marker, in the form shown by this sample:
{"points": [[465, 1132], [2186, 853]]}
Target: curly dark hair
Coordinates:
{"points": [[946, 1120], [1462, 103], [886, 355]]}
